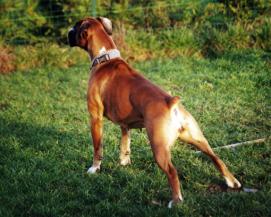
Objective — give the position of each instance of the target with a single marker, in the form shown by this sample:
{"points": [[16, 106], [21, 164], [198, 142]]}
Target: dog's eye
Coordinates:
{"points": [[85, 25]]}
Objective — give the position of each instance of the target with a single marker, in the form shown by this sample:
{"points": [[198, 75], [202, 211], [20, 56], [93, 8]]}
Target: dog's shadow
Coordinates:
{"points": [[197, 171]]}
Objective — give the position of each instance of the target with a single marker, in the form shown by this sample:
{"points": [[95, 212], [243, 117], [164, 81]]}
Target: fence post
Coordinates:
{"points": [[93, 5]]}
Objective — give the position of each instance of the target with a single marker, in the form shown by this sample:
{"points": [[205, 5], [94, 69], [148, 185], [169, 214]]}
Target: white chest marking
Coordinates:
{"points": [[102, 50]]}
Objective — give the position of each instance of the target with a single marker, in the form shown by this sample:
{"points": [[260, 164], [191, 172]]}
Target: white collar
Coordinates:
{"points": [[105, 56]]}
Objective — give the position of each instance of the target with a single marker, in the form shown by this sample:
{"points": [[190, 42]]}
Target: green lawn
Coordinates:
{"points": [[45, 146]]}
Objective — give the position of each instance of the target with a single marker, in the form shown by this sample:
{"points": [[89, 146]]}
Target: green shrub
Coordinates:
{"points": [[210, 41], [237, 36], [262, 34]]}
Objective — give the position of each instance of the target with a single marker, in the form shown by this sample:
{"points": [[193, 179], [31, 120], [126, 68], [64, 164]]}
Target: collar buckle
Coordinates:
{"points": [[105, 57]]}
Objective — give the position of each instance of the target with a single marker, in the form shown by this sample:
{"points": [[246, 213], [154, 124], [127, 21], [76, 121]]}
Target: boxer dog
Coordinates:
{"points": [[124, 96]]}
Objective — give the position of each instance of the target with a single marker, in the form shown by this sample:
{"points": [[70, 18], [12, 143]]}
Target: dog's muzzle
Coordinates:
{"points": [[72, 37]]}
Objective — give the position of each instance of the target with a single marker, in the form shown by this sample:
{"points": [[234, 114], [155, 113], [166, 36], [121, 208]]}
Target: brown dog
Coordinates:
{"points": [[125, 97]]}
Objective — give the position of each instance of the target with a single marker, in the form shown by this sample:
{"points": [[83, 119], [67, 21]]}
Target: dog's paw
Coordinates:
{"points": [[125, 161], [232, 182], [93, 169], [175, 202]]}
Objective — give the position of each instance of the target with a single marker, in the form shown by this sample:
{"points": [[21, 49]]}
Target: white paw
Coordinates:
{"points": [[172, 202], [233, 184], [93, 169], [125, 161]]}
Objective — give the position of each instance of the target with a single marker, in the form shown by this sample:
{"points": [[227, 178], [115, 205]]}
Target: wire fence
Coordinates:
{"points": [[43, 23], [55, 13]]}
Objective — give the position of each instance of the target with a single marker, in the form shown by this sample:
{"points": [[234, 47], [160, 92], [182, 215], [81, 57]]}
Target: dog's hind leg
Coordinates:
{"points": [[191, 133], [158, 134], [125, 147], [163, 159]]}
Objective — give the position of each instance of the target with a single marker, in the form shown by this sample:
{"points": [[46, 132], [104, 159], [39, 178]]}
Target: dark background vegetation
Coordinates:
{"points": [[142, 29]]}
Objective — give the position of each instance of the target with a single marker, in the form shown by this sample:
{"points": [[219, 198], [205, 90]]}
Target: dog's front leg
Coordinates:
{"points": [[96, 132], [125, 147]]}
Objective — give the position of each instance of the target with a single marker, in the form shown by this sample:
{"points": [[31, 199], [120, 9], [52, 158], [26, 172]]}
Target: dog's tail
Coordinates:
{"points": [[173, 102], [175, 120]]}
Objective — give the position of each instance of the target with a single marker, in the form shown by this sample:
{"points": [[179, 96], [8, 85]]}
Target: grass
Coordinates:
{"points": [[45, 146]]}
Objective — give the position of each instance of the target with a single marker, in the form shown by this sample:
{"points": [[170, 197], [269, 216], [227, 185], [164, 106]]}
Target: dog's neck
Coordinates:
{"points": [[103, 43], [104, 48]]}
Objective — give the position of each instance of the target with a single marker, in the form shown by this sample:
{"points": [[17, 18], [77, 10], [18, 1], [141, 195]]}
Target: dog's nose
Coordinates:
{"points": [[71, 29], [71, 37]]}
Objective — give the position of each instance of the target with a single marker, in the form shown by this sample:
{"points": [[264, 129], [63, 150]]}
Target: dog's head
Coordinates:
{"points": [[81, 34]]}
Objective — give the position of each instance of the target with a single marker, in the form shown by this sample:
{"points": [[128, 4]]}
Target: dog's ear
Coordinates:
{"points": [[84, 34], [107, 24], [84, 30]]}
